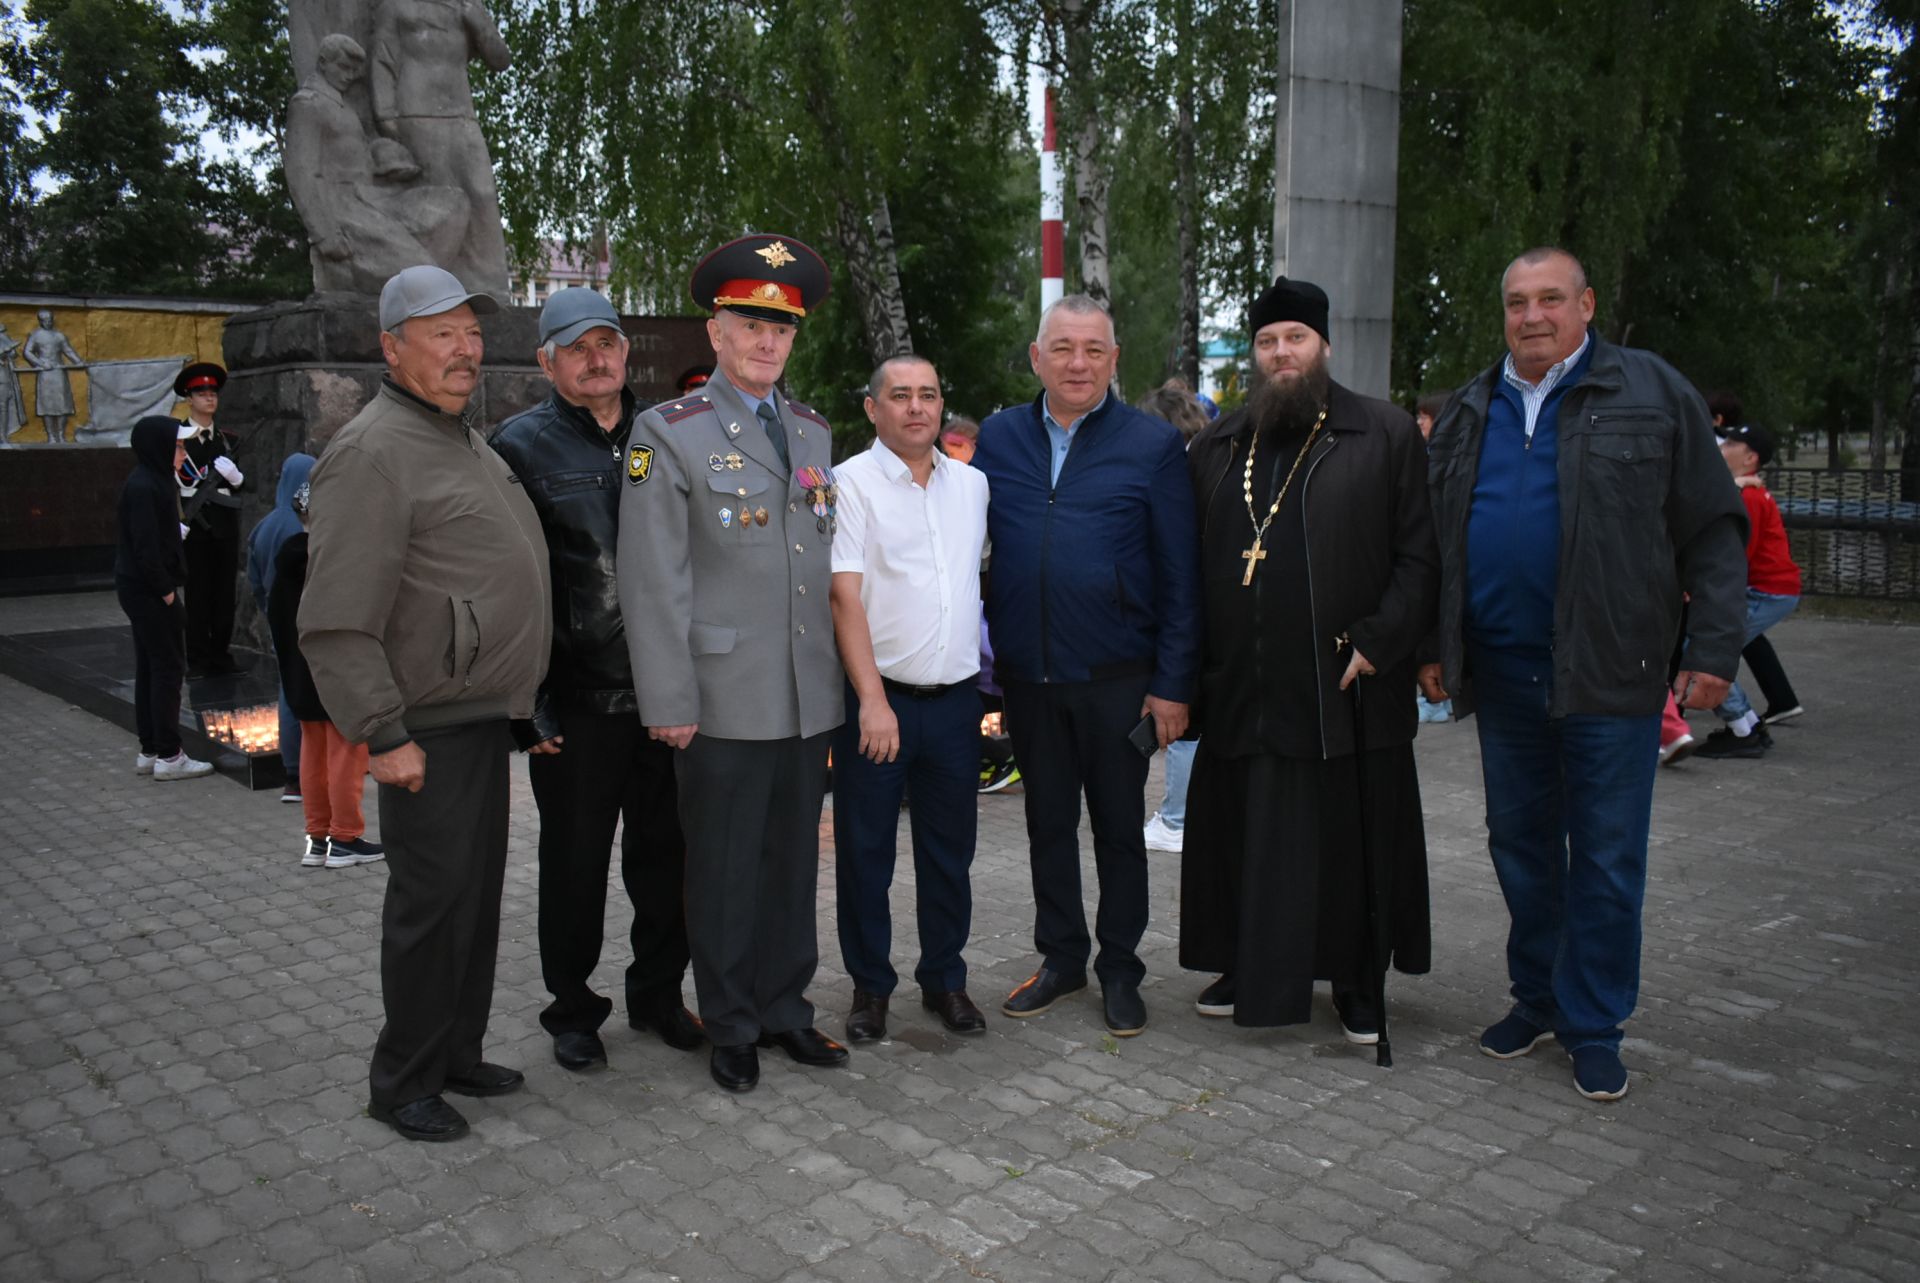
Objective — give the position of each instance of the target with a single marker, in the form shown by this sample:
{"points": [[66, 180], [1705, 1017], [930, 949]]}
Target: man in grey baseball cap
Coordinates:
{"points": [[592, 764], [426, 621]]}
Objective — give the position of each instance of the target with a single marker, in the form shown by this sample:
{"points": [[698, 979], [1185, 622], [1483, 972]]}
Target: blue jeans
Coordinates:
{"points": [[1764, 610], [1569, 804], [1173, 807]]}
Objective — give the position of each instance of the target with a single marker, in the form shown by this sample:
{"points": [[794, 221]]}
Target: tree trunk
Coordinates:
{"points": [[1187, 356], [1090, 177], [866, 242], [1882, 370], [1910, 417]]}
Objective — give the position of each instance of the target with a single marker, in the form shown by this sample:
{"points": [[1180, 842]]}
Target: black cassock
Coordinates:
{"points": [[1304, 859]]}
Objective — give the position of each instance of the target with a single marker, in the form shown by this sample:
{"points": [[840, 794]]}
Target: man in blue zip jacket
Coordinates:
{"points": [[1093, 607]]}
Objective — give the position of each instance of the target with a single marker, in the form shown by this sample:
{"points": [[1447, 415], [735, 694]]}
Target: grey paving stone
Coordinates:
{"points": [[183, 1047]]}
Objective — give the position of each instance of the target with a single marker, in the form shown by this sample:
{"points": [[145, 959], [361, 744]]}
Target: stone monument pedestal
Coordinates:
{"points": [[297, 372]]}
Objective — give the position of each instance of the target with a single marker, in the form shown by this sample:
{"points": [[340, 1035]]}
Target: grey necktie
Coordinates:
{"points": [[770, 420]]}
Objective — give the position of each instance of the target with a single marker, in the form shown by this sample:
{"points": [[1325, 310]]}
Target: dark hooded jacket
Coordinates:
{"points": [[278, 526], [150, 555], [283, 619]]}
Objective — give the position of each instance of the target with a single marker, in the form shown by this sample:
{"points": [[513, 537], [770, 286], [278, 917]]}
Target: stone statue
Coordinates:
{"points": [[366, 213], [420, 143], [46, 348], [13, 411], [422, 99]]}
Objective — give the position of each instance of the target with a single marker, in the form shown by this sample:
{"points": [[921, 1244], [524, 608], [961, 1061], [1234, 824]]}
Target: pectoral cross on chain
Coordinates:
{"points": [[1253, 557]]}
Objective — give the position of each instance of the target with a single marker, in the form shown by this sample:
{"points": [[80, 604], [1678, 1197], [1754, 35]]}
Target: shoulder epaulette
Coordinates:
{"points": [[685, 407], [808, 412]]}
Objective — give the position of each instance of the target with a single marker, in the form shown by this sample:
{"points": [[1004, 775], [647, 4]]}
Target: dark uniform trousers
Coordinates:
{"points": [[213, 569], [751, 813], [1070, 736], [606, 772], [440, 929], [938, 768]]}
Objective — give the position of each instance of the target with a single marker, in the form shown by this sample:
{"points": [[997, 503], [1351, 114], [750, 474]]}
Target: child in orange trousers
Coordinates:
{"points": [[333, 772]]}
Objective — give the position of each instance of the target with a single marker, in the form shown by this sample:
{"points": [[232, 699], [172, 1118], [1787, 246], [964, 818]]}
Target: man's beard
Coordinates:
{"points": [[1288, 406]]}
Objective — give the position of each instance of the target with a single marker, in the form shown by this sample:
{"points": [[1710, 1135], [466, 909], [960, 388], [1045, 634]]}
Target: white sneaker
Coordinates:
{"points": [[1161, 837], [315, 853], [143, 763], [1674, 750], [180, 767]]}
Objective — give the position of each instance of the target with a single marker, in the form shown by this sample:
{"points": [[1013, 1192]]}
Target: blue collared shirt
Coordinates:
{"points": [[1534, 395], [1062, 438], [752, 402]]}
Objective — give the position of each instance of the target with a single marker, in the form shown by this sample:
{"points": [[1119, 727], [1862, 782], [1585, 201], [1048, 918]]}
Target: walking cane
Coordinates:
{"points": [[1383, 1052]]}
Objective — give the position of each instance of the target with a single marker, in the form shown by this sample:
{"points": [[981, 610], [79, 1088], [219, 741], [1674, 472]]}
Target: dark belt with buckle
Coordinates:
{"points": [[923, 692]]}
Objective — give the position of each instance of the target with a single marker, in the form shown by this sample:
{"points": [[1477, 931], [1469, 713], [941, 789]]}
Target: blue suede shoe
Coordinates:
{"points": [[1598, 1073], [1511, 1037]]}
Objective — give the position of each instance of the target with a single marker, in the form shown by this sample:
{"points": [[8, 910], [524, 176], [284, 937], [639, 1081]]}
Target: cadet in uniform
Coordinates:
{"points": [[210, 483], [726, 519]]}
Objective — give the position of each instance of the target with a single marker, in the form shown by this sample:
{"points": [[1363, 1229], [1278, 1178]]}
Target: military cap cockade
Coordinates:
{"points": [[772, 278], [201, 374]]}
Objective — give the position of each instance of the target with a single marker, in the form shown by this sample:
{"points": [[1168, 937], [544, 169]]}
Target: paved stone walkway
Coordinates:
{"points": [[185, 1016]]}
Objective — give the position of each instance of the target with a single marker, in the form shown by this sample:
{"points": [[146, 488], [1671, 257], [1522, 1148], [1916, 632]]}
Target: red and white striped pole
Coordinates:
{"points": [[1053, 232]]}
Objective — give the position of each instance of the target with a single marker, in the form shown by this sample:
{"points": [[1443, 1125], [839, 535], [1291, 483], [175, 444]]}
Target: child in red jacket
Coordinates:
{"points": [[1773, 586]]}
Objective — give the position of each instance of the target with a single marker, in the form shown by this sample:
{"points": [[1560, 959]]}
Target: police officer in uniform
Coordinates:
{"points": [[726, 519], [210, 483]]}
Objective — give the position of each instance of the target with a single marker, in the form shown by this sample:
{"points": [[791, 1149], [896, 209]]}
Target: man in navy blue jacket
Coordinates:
{"points": [[1093, 608]]}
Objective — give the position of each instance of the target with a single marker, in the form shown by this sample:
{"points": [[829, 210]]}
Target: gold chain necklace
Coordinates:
{"points": [[1256, 554]]}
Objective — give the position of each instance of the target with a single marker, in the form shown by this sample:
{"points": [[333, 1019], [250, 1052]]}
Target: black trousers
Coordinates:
{"points": [[440, 929], [606, 772], [1072, 738], [213, 568], [751, 813], [1770, 674], [159, 666], [938, 767]]}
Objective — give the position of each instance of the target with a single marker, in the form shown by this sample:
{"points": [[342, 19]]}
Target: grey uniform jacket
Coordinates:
{"points": [[728, 620]]}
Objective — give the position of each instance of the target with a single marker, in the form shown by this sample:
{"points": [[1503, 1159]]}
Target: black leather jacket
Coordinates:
{"points": [[1648, 512], [570, 468]]}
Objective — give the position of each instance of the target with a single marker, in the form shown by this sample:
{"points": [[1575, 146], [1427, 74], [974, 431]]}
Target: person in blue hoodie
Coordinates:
{"points": [[1093, 605], [263, 546]]}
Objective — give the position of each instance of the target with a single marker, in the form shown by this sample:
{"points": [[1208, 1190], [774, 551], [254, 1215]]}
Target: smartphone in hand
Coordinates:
{"points": [[1145, 736]]}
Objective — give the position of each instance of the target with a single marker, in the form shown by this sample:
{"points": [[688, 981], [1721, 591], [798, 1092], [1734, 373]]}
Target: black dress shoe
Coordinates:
{"points": [[1126, 1013], [679, 1028], [867, 1021], [429, 1118], [808, 1046], [580, 1051], [1044, 988], [736, 1068], [486, 1080], [955, 1009]]}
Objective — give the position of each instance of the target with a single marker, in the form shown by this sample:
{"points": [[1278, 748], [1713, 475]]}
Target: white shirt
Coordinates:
{"points": [[918, 552], [1534, 395]]}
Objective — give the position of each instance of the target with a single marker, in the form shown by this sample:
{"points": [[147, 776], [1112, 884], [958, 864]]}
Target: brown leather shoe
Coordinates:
{"points": [[867, 1020], [955, 1009]]}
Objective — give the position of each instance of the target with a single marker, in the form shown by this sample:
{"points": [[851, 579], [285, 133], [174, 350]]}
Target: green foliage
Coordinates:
{"points": [[124, 216], [1711, 163], [136, 204], [670, 126]]}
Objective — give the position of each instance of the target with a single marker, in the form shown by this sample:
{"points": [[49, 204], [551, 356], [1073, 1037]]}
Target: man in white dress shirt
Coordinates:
{"points": [[906, 616]]}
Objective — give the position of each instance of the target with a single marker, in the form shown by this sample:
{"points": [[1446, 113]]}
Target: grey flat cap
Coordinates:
{"points": [[427, 290], [572, 312]]}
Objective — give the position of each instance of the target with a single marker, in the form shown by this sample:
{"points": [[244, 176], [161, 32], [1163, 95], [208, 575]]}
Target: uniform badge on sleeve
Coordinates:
{"points": [[639, 464]]}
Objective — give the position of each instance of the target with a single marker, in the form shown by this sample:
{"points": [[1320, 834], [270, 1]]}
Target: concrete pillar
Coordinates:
{"points": [[1336, 171]]}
